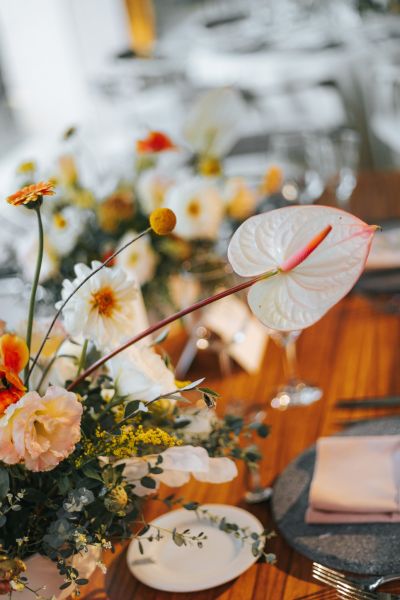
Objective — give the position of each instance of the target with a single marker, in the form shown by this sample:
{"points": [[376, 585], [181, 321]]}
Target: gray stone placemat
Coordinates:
{"points": [[369, 549]]}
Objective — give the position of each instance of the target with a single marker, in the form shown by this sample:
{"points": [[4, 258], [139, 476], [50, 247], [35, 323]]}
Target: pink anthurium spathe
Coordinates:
{"points": [[319, 252]]}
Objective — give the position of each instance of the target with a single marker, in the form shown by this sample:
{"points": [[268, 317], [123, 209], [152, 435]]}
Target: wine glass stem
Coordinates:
{"points": [[254, 478], [291, 360]]}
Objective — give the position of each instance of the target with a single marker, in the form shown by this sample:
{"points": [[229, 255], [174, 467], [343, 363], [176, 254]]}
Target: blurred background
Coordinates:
{"points": [[315, 67], [218, 109]]}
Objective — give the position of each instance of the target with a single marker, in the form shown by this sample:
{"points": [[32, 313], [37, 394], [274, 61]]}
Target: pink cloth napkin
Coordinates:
{"points": [[356, 480]]}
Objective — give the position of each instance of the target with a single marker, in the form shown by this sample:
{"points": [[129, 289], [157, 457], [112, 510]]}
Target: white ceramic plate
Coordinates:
{"points": [[165, 566]]}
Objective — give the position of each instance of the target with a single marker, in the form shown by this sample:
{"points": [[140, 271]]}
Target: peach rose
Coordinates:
{"points": [[40, 431]]}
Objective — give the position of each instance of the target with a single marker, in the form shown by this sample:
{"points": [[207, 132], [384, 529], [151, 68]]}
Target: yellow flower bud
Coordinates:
{"points": [[116, 500], [162, 221]]}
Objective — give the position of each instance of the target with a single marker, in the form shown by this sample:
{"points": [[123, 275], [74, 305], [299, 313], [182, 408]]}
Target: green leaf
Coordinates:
{"points": [[156, 470], [209, 391], [131, 408], [148, 482], [209, 400], [161, 338], [65, 585], [178, 538], [144, 530], [263, 430], [82, 581], [4, 482], [91, 472], [191, 506]]}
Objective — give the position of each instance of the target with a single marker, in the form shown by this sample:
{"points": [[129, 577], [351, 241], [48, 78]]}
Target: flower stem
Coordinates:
{"points": [[171, 319], [35, 284], [58, 313]]}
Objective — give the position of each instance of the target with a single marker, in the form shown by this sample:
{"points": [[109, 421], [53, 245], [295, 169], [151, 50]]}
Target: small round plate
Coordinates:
{"points": [[171, 568]]}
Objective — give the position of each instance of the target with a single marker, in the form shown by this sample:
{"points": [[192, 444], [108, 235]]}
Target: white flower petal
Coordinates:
{"points": [[220, 470], [185, 458]]}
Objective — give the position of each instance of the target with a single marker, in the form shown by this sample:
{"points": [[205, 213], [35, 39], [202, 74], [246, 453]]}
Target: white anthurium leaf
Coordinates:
{"points": [[299, 297], [220, 470], [185, 458]]}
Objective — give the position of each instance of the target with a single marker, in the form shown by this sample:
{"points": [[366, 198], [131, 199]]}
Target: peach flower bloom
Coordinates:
{"points": [[40, 431]]}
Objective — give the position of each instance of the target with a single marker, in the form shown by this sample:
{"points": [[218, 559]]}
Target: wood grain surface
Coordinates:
{"points": [[353, 352]]}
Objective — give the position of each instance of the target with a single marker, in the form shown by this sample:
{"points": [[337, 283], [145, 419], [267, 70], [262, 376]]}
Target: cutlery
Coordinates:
{"points": [[383, 402], [349, 588], [356, 421]]}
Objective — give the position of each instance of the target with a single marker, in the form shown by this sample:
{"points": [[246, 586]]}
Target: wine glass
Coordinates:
{"points": [[341, 154], [301, 157], [294, 392]]}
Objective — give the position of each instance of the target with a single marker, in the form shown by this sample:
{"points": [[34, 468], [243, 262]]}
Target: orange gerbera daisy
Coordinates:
{"points": [[32, 193], [156, 141], [14, 356]]}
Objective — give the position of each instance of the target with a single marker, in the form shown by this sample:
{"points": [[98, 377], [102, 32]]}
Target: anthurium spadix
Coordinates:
{"points": [[319, 253]]}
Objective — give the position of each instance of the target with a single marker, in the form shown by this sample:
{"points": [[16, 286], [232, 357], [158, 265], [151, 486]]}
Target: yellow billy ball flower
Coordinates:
{"points": [[162, 221]]}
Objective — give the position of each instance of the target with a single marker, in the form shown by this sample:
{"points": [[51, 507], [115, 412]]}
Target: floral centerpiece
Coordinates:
{"points": [[84, 222], [92, 419]]}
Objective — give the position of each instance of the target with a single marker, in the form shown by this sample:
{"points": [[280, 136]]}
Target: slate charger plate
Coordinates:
{"points": [[367, 549]]}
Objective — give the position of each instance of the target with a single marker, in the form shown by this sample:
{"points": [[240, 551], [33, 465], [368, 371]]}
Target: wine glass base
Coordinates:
{"points": [[258, 495], [298, 394]]}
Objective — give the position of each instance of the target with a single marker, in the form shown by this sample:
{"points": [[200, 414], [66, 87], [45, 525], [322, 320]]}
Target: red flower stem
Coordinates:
{"points": [[58, 313], [168, 320]]}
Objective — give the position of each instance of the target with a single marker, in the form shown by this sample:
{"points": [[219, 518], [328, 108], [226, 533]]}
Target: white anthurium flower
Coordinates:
{"points": [[141, 374], [104, 309], [215, 122], [138, 260], [198, 207], [319, 253], [152, 188], [178, 464], [26, 248], [64, 228]]}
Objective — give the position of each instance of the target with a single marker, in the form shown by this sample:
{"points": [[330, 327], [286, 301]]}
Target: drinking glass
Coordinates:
{"points": [[301, 158], [294, 392], [346, 145]]}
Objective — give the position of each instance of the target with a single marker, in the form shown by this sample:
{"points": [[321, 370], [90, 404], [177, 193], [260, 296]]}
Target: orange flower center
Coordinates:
{"points": [[193, 209], [104, 301]]}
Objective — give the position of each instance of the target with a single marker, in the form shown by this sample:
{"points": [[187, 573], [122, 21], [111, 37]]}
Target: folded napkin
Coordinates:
{"points": [[356, 480]]}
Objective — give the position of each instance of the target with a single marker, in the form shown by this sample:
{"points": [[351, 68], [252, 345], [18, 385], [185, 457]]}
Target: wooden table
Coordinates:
{"points": [[353, 351]]}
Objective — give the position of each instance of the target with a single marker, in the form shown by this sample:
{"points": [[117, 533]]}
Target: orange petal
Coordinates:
{"points": [[8, 397], [14, 352], [14, 380]]}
